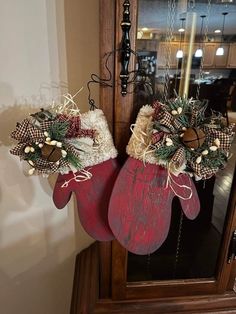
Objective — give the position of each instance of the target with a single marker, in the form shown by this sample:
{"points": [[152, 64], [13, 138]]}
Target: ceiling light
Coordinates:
{"points": [[217, 31], [139, 34], [179, 54], [220, 51], [198, 53], [145, 29], [225, 1]]}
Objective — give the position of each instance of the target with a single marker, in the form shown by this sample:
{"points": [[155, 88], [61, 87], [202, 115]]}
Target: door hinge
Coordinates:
{"points": [[232, 248]]}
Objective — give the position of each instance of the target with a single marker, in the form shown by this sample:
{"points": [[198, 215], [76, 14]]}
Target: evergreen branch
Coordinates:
{"points": [[165, 152], [57, 131], [73, 160]]}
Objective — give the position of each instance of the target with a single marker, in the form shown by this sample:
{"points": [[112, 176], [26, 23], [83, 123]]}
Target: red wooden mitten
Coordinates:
{"points": [[140, 215], [93, 184]]}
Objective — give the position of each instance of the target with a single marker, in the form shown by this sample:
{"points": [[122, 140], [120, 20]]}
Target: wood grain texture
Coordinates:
{"points": [[105, 269], [119, 271], [86, 300], [85, 287], [227, 271], [198, 305], [107, 44]]}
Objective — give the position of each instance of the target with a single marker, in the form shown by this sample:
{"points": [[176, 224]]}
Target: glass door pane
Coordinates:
{"points": [[192, 248]]}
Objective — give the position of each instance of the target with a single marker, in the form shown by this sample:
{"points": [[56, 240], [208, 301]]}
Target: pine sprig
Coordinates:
{"points": [[214, 160], [58, 130], [165, 152], [73, 160]]}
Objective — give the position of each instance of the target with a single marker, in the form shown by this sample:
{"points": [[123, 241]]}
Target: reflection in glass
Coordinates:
{"points": [[192, 247]]}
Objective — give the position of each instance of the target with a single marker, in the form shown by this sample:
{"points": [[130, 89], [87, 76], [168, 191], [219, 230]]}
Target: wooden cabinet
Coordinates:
{"points": [[232, 56], [210, 60], [209, 55], [101, 282], [161, 55], [166, 52], [147, 45]]}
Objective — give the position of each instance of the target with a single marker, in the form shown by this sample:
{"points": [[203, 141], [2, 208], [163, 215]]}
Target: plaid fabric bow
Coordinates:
{"points": [[225, 136], [26, 132], [75, 129]]}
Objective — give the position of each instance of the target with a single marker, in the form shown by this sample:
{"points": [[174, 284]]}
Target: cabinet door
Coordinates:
{"points": [[146, 45], [196, 262], [174, 47], [221, 61], [167, 51], [232, 56], [161, 55], [209, 55]]}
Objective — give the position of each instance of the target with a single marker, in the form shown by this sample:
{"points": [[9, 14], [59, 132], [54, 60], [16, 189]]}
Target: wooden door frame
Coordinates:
{"points": [[122, 112], [100, 271]]}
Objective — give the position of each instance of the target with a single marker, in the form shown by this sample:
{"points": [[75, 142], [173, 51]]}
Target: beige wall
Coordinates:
{"points": [[45, 47]]}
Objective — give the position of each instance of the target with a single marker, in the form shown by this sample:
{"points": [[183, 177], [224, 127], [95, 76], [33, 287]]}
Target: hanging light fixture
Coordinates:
{"points": [[220, 50], [199, 52], [180, 53]]}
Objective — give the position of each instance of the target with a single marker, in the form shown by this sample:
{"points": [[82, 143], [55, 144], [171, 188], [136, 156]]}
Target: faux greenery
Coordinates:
{"points": [[73, 160], [58, 130], [189, 113]]}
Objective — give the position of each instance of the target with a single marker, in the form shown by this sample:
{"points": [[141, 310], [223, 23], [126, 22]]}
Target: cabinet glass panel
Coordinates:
{"points": [[192, 248]]}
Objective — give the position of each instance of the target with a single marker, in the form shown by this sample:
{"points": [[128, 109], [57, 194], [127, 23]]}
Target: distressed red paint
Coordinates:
{"points": [[92, 198], [140, 206]]}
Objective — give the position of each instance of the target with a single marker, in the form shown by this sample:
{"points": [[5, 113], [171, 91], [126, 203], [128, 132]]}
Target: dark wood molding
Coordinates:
{"points": [[86, 281], [107, 12], [107, 44], [105, 269], [86, 300]]}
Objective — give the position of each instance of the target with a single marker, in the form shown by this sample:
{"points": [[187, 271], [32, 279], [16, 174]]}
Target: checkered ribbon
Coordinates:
{"points": [[165, 118], [156, 137], [18, 150], [203, 172], [157, 108], [179, 158], [45, 125], [194, 115], [27, 133], [21, 131], [75, 129], [45, 167], [74, 151], [225, 137]]}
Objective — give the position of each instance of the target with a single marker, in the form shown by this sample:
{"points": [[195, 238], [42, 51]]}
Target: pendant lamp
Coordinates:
{"points": [[199, 52], [220, 50], [180, 53]]}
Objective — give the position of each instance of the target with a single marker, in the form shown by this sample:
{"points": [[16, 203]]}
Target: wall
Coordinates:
{"points": [[47, 47]]}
